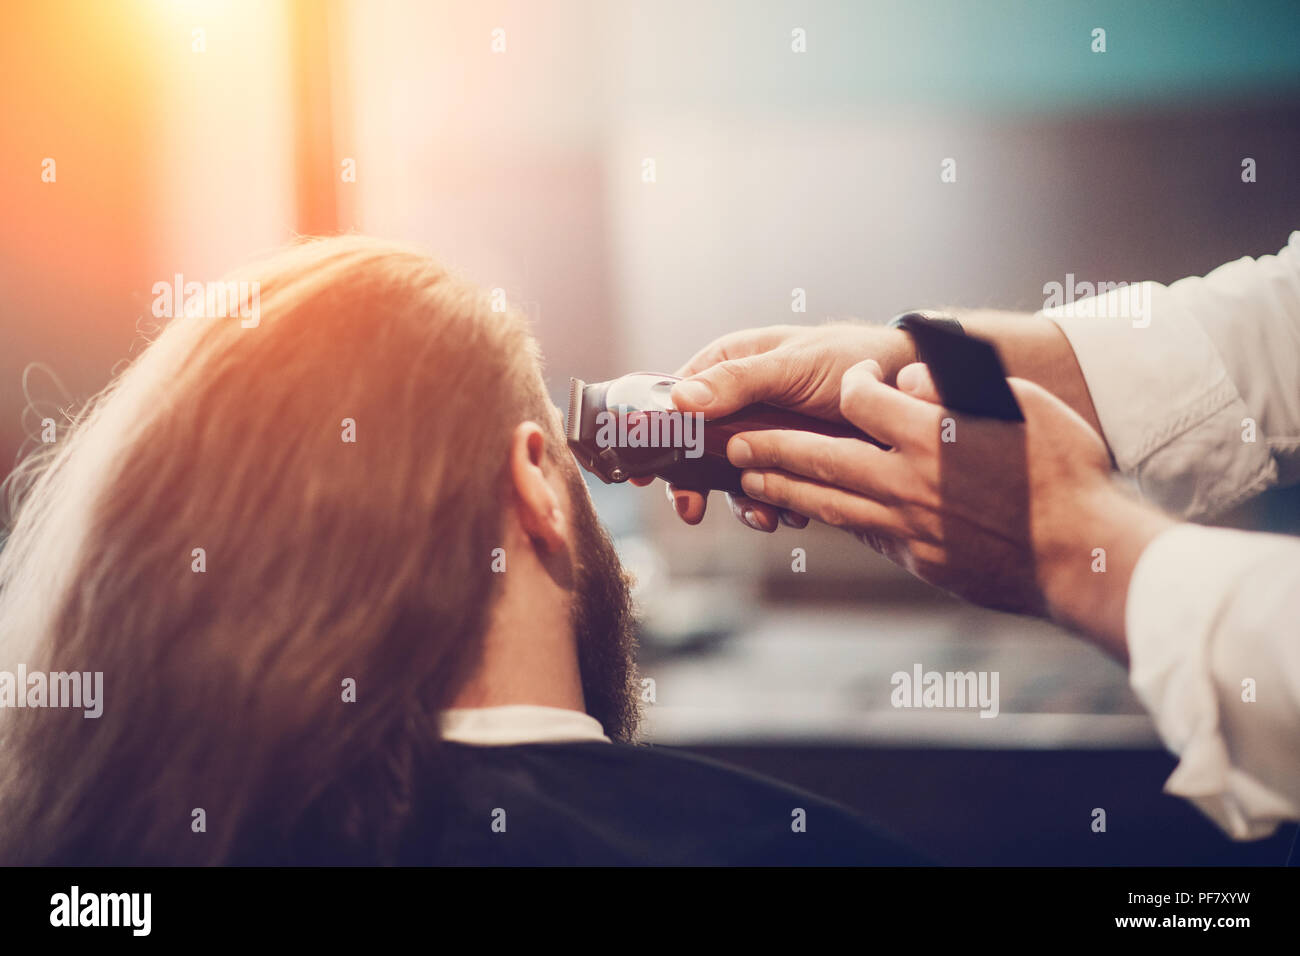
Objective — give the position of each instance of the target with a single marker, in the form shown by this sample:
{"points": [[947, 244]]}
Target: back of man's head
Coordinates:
{"points": [[274, 539]]}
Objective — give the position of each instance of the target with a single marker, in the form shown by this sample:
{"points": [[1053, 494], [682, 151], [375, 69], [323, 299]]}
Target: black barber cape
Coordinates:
{"points": [[594, 803]]}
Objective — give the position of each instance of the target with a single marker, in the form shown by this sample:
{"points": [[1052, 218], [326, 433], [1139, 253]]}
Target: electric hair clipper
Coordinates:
{"points": [[628, 428]]}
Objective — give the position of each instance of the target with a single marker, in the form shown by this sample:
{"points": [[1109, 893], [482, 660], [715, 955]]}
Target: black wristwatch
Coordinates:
{"points": [[908, 320], [967, 372]]}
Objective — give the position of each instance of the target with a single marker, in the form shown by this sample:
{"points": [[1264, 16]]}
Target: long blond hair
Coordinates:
{"points": [[326, 561]]}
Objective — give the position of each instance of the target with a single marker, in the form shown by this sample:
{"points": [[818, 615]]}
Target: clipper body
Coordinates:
{"points": [[603, 415]]}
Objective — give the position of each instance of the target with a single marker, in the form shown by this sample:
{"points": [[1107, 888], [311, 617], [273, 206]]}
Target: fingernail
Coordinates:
{"points": [[752, 483], [739, 452], [694, 391], [750, 518], [680, 503]]}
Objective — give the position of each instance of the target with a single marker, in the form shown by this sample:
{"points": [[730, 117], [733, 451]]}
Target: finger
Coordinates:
{"points": [[831, 506], [643, 481], [689, 505], [884, 412], [735, 345], [732, 384], [915, 380], [754, 514], [793, 519], [1031, 395], [847, 463]]}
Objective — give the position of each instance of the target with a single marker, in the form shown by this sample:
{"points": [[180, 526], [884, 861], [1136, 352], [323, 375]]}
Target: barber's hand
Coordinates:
{"points": [[793, 366], [1004, 514]]}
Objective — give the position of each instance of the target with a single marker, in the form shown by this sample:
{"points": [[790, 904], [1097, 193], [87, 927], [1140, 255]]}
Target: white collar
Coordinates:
{"points": [[519, 724]]}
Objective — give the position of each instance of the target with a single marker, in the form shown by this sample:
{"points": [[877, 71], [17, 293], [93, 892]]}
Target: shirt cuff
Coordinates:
{"points": [[1202, 615], [1168, 409]]}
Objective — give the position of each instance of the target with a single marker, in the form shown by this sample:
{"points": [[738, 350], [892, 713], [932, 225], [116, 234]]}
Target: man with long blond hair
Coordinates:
{"points": [[350, 603]]}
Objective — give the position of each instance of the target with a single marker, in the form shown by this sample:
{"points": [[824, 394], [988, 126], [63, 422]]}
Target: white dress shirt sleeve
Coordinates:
{"points": [[1197, 389], [1213, 623], [1197, 384]]}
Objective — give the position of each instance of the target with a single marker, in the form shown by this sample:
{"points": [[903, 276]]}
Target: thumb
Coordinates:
{"points": [[723, 388], [1036, 400], [915, 380]]}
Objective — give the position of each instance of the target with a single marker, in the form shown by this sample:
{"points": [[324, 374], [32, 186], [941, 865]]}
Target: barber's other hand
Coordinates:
{"points": [[793, 366], [1004, 514]]}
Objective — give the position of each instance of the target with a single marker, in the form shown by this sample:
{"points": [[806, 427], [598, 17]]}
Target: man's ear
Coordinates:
{"points": [[537, 503]]}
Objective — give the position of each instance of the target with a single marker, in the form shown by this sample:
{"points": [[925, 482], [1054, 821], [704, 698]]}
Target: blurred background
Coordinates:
{"points": [[640, 178]]}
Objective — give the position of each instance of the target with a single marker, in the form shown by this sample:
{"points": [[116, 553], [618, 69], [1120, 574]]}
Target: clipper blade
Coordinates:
{"points": [[573, 422]]}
